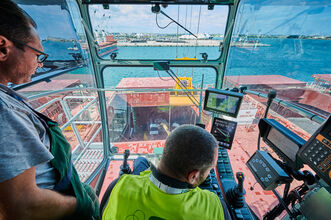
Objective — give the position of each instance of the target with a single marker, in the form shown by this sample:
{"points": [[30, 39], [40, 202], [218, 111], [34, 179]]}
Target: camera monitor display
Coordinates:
{"points": [[224, 130], [283, 141], [223, 102]]}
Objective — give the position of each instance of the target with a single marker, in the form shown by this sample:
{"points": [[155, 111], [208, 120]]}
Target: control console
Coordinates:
{"points": [[317, 151], [266, 171], [211, 184]]}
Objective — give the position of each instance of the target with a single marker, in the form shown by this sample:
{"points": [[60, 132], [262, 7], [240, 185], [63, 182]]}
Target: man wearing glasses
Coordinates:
{"points": [[29, 181]]}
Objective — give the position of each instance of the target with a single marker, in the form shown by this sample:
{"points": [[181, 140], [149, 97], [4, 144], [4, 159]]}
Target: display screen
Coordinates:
{"points": [[282, 143], [223, 102], [224, 130]]}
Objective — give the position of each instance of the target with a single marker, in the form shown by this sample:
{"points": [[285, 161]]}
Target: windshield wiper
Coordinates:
{"points": [[156, 9]]}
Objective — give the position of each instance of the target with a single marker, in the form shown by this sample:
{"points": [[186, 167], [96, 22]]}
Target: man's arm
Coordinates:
{"points": [[226, 212], [106, 195], [21, 198]]}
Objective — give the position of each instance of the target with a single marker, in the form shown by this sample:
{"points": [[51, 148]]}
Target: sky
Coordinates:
{"points": [[51, 21], [138, 19], [304, 19]]}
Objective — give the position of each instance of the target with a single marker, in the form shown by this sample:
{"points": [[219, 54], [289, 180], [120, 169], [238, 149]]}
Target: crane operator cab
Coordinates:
{"points": [[227, 103], [121, 76], [297, 159]]}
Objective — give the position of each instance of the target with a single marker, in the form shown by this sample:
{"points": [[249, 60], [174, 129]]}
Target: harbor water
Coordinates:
{"points": [[294, 58]]}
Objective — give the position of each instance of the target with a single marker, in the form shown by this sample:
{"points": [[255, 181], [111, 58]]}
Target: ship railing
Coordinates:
{"points": [[71, 118], [78, 152], [307, 114]]}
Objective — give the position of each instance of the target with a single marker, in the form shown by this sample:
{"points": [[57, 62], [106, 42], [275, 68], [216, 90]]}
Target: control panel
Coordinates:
{"points": [[225, 174], [266, 171], [211, 184], [317, 151]]}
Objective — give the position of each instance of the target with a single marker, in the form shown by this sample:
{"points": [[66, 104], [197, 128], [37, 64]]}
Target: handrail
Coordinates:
{"points": [[78, 114], [86, 146], [48, 103], [45, 77], [68, 113], [291, 106], [106, 90]]}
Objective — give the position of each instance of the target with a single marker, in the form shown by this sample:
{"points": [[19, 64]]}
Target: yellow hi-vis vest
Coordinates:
{"points": [[137, 198]]}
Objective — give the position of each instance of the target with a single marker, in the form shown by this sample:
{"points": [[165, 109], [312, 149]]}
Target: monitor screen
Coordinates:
{"points": [[223, 102], [224, 130], [285, 145]]}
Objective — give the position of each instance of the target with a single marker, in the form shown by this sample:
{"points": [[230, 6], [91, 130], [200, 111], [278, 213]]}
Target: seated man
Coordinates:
{"points": [[170, 191]]}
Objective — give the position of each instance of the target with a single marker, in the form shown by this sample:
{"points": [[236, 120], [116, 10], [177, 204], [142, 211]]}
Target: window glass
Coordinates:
{"points": [[145, 105], [284, 46], [134, 32], [63, 38], [68, 68]]}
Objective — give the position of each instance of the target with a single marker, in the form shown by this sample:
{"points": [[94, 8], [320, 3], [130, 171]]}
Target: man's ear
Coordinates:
{"points": [[193, 177], [4, 48]]}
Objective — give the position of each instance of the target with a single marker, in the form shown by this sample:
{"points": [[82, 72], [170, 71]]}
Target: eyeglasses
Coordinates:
{"points": [[41, 57]]}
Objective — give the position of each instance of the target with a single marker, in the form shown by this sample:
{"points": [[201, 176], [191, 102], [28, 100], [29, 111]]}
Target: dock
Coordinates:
{"points": [[186, 43]]}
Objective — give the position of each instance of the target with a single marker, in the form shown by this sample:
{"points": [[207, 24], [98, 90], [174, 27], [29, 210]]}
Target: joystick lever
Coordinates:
{"points": [[240, 177], [235, 196], [125, 168]]}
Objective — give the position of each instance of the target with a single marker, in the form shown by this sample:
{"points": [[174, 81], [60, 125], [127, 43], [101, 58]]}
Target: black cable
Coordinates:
{"points": [[293, 196], [271, 95], [286, 190], [159, 25], [161, 77], [282, 203], [178, 23]]}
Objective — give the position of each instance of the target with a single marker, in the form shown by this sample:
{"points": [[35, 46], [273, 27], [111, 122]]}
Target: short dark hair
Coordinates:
{"points": [[15, 22], [188, 148]]}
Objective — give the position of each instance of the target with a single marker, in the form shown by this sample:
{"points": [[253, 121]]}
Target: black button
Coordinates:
{"points": [[325, 141]]}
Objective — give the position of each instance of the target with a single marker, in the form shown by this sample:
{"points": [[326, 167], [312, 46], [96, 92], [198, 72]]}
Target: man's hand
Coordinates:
{"points": [[21, 198]]}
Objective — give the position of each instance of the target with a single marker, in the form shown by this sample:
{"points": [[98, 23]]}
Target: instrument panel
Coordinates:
{"points": [[317, 151], [224, 130]]}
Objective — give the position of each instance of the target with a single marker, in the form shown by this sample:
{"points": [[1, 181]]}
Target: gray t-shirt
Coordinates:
{"points": [[24, 142]]}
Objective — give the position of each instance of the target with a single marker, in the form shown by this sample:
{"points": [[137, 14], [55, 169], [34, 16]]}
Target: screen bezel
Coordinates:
{"points": [[223, 92], [265, 125]]}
